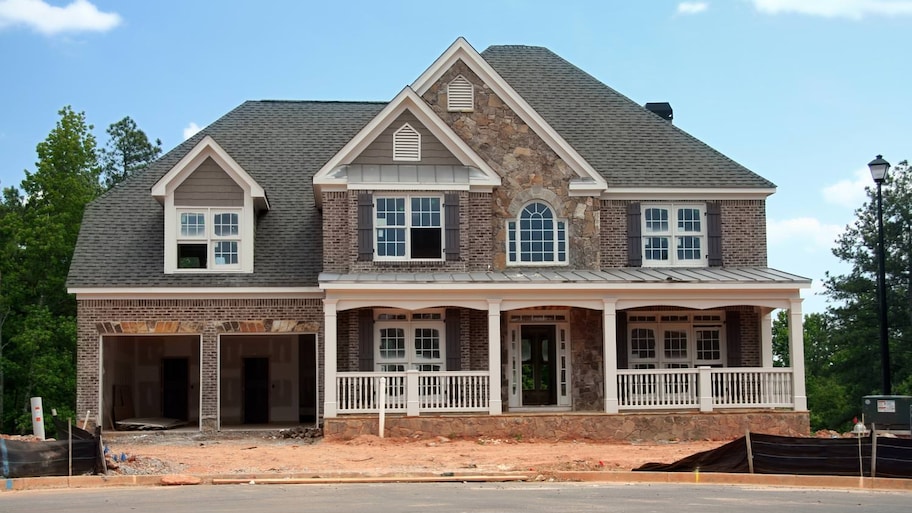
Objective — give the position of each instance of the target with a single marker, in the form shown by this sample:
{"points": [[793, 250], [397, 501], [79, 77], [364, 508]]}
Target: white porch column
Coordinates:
{"points": [[766, 340], [796, 354], [330, 335], [609, 345], [496, 404]]}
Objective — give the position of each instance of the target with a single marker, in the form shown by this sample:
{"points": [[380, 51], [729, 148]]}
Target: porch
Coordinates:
{"points": [[703, 389]]}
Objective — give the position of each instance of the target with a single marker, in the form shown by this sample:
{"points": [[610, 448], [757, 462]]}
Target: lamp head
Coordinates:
{"points": [[879, 168]]}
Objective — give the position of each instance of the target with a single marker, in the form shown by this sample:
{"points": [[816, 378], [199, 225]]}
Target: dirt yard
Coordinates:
{"points": [[370, 455]]}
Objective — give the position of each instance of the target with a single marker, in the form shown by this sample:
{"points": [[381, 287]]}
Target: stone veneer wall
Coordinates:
{"points": [[743, 233], [206, 317], [587, 360], [627, 427], [529, 168]]}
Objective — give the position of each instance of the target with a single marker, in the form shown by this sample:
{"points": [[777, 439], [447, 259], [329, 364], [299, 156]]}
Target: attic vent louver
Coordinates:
{"points": [[460, 95], [407, 144], [661, 109]]}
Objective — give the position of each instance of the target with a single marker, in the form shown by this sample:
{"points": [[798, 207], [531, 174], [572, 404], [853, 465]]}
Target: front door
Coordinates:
{"points": [[256, 390], [539, 369]]}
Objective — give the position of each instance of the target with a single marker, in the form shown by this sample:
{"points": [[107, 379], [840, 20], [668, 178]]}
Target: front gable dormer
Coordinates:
{"points": [[406, 147], [210, 203]]}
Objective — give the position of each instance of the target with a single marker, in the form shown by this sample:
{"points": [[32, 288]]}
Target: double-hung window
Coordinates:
{"points": [[408, 227], [536, 237], [409, 341], [208, 238], [674, 235]]}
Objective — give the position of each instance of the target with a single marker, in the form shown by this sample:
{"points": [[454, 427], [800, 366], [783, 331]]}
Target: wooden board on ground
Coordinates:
{"points": [[149, 423]]}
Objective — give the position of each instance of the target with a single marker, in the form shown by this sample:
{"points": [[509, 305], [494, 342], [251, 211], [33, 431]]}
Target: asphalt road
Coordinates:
{"points": [[453, 497]]}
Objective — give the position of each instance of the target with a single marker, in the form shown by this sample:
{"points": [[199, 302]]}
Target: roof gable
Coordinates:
{"points": [[330, 175], [206, 149], [590, 180]]}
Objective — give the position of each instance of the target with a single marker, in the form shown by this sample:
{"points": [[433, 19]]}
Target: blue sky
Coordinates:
{"points": [[803, 92]]}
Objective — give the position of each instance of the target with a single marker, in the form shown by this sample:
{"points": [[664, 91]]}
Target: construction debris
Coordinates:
{"points": [[302, 433]]}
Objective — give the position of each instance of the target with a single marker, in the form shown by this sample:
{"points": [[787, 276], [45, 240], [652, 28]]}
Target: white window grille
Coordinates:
{"points": [[674, 235], [537, 237], [208, 238]]}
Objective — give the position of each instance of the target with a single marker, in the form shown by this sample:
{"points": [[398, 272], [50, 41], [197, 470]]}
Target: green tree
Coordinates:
{"points": [[38, 230], [827, 396], [854, 345], [127, 151]]}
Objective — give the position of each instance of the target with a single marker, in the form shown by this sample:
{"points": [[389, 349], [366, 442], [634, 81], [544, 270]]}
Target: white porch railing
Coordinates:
{"points": [[413, 392], [704, 388]]}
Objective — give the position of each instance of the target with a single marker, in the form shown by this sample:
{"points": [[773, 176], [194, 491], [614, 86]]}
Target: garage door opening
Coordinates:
{"points": [[267, 381], [150, 382]]}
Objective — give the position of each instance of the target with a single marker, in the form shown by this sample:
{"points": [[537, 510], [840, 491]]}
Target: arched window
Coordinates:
{"points": [[536, 237]]}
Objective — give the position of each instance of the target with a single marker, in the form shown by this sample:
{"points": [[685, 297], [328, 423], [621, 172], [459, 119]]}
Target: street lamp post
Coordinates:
{"points": [[879, 168]]}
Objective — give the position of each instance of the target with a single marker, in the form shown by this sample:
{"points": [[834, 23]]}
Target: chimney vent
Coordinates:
{"points": [[661, 109]]}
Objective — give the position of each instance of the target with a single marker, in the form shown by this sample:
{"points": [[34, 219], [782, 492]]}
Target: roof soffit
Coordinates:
{"points": [[208, 148], [462, 50], [406, 100]]}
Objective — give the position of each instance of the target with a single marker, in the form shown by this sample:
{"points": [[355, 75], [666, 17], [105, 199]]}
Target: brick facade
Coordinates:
{"points": [[207, 318], [743, 233]]}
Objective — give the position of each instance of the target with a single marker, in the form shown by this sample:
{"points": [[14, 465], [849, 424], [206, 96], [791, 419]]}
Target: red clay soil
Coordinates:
{"points": [[371, 455]]}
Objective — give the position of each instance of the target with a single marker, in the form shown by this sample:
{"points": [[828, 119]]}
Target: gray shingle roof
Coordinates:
{"points": [[281, 145], [628, 145]]}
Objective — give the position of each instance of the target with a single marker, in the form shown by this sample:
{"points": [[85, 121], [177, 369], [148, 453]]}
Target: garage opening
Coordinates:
{"points": [[150, 382], [267, 381]]}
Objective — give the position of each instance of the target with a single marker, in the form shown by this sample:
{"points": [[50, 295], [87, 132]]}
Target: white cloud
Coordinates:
{"points": [[78, 16], [804, 233], [850, 192], [692, 7], [853, 9], [191, 130]]}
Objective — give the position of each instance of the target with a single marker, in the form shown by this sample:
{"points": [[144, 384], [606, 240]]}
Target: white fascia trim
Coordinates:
{"points": [[207, 147], [407, 186], [406, 100], [197, 293], [462, 50], [675, 193], [502, 286]]}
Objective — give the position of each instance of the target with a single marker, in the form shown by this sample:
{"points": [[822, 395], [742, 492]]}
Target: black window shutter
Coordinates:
{"points": [[622, 340], [733, 337], [634, 243], [453, 343], [451, 221], [366, 340], [365, 227], [714, 232]]}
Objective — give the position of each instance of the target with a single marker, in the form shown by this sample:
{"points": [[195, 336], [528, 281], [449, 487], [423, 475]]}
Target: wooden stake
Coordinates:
{"points": [[750, 452]]}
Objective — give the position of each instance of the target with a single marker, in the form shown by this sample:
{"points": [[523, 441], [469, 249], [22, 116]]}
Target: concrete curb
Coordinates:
{"points": [[697, 478], [692, 478]]}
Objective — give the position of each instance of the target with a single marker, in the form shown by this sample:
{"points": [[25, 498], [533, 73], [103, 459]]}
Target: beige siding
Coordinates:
{"points": [[433, 152], [209, 186]]}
